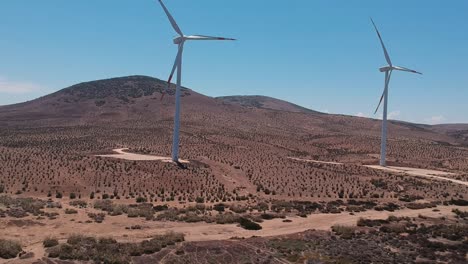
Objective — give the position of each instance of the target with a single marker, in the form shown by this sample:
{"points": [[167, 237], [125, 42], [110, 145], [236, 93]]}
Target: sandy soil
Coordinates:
{"points": [[121, 154], [421, 172], [31, 232], [316, 161]]}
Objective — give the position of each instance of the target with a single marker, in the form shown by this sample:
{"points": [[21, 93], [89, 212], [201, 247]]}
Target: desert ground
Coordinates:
{"points": [[262, 181]]}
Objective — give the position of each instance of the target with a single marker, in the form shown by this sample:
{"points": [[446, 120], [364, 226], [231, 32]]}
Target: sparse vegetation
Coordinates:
{"points": [[345, 232], [108, 250], [9, 249]]}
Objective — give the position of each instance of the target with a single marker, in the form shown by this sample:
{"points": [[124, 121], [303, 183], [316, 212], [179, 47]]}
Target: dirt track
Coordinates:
{"points": [[421, 172], [121, 154]]}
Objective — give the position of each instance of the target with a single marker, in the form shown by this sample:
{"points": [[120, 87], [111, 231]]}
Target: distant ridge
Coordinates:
{"points": [[265, 102]]}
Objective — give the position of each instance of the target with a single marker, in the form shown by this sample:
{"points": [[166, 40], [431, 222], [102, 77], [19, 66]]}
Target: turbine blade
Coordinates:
{"points": [[176, 62], [380, 102], [387, 57], [200, 37], [387, 81], [171, 19], [405, 69]]}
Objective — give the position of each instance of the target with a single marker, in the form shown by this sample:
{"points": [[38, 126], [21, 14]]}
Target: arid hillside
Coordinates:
{"points": [[258, 101], [237, 146], [89, 160]]}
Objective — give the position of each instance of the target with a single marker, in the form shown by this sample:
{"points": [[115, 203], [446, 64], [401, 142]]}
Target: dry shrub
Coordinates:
{"points": [[346, 232], [9, 249]]}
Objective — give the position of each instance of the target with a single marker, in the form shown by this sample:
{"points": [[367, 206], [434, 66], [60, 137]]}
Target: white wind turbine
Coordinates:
{"points": [[180, 40], [388, 73]]}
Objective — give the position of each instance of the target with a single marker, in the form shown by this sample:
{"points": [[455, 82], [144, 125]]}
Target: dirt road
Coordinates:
{"points": [[438, 175]]}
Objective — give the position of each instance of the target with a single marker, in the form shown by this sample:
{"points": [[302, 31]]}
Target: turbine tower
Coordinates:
{"points": [[180, 41], [388, 73]]}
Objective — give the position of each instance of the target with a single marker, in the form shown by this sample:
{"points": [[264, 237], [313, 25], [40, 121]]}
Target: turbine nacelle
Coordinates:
{"points": [[386, 68], [179, 39]]}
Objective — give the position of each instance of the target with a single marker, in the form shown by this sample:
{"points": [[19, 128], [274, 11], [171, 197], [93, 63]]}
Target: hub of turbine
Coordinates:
{"points": [[178, 40], [385, 69]]}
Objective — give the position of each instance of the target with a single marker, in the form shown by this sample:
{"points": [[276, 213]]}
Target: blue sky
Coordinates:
{"points": [[323, 55]]}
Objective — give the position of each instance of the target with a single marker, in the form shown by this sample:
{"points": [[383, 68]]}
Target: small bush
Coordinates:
{"points": [[141, 199], [345, 232], [98, 218], [79, 203], [267, 216], [371, 223], [50, 242], [460, 214], [219, 207], [159, 208], [248, 224], [9, 249], [238, 208], [226, 218], [70, 211], [459, 202]]}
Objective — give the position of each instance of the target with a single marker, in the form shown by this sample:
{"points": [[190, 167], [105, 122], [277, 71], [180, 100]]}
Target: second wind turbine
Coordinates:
{"points": [[388, 73]]}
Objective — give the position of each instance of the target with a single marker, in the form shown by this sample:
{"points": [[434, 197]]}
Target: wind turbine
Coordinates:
{"points": [[180, 41], [388, 73]]}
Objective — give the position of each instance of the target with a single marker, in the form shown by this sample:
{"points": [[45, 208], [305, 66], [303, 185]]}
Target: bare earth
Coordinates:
{"points": [[316, 161], [121, 154]]}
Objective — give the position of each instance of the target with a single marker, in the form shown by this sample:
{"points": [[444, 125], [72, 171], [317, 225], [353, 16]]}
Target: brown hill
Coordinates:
{"points": [[137, 98], [236, 148], [114, 100]]}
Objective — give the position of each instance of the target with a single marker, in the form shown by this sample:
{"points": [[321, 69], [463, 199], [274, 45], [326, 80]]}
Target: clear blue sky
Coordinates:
{"points": [[322, 55]]}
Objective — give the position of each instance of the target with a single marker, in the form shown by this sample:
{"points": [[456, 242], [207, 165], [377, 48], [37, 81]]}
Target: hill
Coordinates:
{"points": [[238, 145], [258, 101], [113, 100]]}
